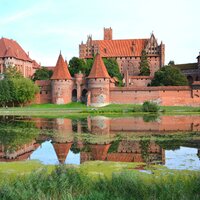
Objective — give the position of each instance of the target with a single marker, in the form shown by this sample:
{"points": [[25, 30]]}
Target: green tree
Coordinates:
{"points": [[144, 64], [42, 74], [113, 69], [77, 65], [5, 92], [25, 90], [12, 72], [169, 76]]}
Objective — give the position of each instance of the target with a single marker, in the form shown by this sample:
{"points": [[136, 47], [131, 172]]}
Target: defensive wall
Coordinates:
{"points": [[163, 95]]}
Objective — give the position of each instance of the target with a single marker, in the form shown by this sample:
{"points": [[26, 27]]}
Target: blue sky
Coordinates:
{"points": [[44, 27]]}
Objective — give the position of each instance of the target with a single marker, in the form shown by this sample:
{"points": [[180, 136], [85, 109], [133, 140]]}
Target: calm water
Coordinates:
{"points": [[172, 141]]}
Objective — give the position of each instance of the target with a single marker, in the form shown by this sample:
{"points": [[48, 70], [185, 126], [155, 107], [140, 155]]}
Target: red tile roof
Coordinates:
{"points": [[98, 69], [61, 71], [10, 48], [121, 48]]}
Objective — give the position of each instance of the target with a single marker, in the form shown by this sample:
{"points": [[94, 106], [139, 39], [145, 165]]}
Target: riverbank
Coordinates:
{"points": [[82, 109], [98, 180]]}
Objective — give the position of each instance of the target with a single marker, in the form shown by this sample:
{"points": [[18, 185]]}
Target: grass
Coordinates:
{"points": [[77, 109], [89, 182]]}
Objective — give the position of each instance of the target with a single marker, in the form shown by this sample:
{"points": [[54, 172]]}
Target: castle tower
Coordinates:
{"points": [[98, 83], [107, 33], [61, 83]]}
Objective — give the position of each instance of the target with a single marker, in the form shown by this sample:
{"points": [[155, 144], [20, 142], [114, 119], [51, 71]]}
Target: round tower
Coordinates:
{"points": [[99, 83], [61, 83]]}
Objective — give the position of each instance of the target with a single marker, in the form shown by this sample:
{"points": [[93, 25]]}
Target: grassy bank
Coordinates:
{"points": [[90, 182], [81, 109]]}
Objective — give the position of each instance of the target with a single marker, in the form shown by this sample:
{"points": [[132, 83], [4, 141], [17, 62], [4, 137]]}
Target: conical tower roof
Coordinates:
{"points": [[61, 71], [62, 150], [98, 69]]}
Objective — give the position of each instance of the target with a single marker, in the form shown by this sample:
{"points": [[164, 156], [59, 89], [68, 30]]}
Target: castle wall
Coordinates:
{"points": [[45, 95], [165, 96], [101, 94]]}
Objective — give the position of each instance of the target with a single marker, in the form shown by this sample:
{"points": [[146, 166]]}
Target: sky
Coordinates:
{"points": [[44, 27]]}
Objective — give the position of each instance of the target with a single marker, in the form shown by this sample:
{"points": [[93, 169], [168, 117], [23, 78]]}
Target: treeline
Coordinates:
{"points": [[15, 89]]}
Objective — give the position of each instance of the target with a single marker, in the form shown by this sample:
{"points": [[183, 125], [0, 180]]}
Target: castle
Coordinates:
{"points": [[12, 54], [98, 89], [127, 52]]}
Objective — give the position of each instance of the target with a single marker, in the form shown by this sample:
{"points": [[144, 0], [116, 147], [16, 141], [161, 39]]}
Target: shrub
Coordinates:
{"points": [[150, 107]]}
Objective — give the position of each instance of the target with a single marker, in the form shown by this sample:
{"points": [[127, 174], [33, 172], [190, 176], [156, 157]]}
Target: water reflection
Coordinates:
{"points": [[62, 140]]}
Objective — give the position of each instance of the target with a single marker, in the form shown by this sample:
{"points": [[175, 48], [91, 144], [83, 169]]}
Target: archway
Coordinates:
{"points": [[84, 96], [74, 95], [197, 78], [190, 79]]}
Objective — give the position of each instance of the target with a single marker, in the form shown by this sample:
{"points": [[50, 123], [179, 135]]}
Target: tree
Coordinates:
{"points": [[42, 74], [12, 72], [169, 76], [5, 92], [144, 64], [77, 65], [113, 69], [25, 90]]}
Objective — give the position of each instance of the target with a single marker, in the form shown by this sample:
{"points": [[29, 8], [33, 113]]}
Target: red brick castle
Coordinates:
{"points": [[127, 52], [98, 89]]}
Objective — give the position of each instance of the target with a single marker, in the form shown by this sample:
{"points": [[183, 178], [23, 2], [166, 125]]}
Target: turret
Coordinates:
{"points": [[98, 84], [61, 83]]}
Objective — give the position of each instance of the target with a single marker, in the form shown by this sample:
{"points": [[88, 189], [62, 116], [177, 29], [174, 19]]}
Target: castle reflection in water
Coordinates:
{"points": [[104, 146]]}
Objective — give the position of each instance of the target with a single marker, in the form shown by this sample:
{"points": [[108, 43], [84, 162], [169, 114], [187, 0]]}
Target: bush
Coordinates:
{"points": [[150, 107]]}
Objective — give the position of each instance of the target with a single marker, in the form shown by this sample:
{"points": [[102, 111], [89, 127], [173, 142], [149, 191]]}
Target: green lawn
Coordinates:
{"points": [[81, 109]]}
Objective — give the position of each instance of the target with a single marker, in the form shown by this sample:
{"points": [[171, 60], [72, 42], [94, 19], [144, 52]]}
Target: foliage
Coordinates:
{"points": [[12, 72], [77, 65], [113, 69], [144, 64], [16, 88], [169, 76], [69, 183], [5, 92], [25, 90], [150, 107], [42, 74]]}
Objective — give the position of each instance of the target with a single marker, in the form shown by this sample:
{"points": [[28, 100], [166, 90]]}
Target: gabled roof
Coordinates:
{"points": [[61, 71], [10, 48], [120, 48], [98, 69]]}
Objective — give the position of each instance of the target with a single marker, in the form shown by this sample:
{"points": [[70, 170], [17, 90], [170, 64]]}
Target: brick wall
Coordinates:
{"points": [[166, 95]]}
